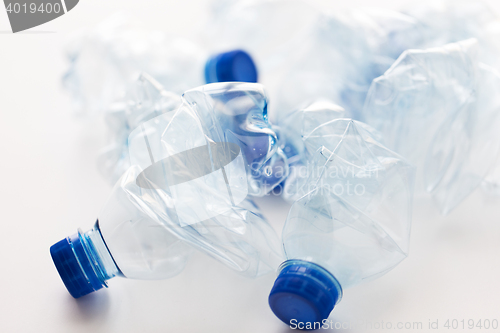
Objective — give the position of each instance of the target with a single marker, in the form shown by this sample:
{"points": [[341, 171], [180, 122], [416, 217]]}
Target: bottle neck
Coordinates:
{"points": [[326, 278], [304, 292], [100, 258]]}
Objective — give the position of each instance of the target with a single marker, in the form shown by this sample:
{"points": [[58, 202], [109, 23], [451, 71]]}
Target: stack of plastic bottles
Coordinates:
{"points": [[366, 106]]}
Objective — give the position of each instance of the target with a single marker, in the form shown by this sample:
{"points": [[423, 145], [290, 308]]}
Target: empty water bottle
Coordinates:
{"points": [[124, 242], [104, 61], [326, 54], [127, 242], [350, 219], [187, 181], [236, 110], [145, 99], [335, 54], [438, 108]]}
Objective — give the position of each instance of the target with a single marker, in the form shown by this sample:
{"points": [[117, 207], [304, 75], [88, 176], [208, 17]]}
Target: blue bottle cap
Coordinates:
{"points": [[230, 66], [75, 267], [305, 292]]}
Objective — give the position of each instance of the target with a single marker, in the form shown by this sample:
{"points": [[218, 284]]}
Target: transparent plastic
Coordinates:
{"points": [[193, 171], [326, 53], [145, 99], [104, 61], [237, 113], [124, 242], [187, 184], [235, 234], [233, 113], [439, 108], [190, 172], [140, 246], [353, 214], [299, 124], [344, 52], [449, 21], [133, 240], [294, 132], [336, 53]]}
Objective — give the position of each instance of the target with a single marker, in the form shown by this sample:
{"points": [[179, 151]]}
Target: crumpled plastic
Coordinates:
{"points": [[357, 46], [300, 123], [145, 99], [105, 60], [346, 186], [326, 54], [232, 112], [237, 112], [440, 108], [335, 54], [189, 172], [239, 236]]}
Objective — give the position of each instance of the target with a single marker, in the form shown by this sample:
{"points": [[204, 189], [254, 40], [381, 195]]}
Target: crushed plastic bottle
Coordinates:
{"points": [[298, 125], [124, 242], [439, 109], [104, 61], [128, 242], [342, 56], [325, 54], [187, 184], [335, 54], [268, 30], [451, 21], [236, 111], [239, 111], [350, 221], [145, 99]]}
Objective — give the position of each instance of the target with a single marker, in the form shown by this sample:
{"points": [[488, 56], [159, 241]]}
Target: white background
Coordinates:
{"points": [[50, 187]]}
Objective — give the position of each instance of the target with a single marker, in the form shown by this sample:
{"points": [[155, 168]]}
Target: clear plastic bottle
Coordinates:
{"points": [[438, 108], [305, 52], [237, 111], [105, 60], [350, 219], [127, 242], [124, 242], [145, 99], [187, 183]]}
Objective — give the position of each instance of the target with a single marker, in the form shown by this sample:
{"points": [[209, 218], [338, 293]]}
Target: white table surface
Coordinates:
{"points": [[50, 187]]}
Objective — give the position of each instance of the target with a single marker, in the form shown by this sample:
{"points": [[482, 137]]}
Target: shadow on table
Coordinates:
{"points": [[93, 307]]}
